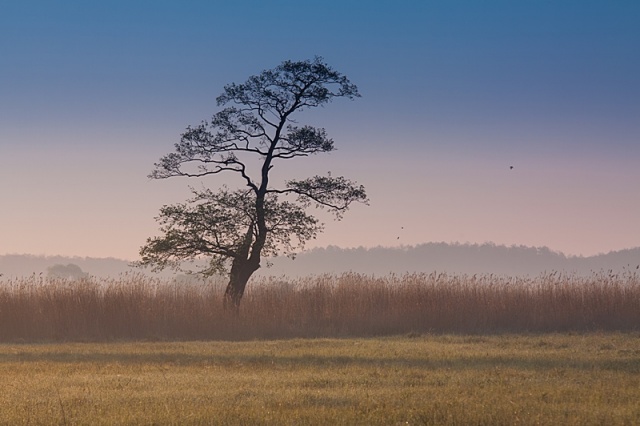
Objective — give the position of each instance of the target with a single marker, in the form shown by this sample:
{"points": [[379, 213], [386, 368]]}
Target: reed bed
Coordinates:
{"points": [[136, 307]]}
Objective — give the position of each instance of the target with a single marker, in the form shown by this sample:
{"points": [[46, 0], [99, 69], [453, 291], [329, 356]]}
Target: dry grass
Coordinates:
{"points": [[551, 379], [139, 308]]}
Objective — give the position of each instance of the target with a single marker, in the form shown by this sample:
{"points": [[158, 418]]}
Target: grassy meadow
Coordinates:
{"points": [[348, 349], [569, 379]]}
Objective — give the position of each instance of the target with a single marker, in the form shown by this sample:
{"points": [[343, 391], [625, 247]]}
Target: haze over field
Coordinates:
{"points": [[452, 259], [495, 121]]}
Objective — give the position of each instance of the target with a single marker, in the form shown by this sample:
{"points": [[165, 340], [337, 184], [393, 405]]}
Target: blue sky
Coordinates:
{"points": [[453, 93]]}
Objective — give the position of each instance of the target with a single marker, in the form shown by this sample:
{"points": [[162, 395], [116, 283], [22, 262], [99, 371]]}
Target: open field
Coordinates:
{"points": [[36, 309], [476, 350], [578, 379]]}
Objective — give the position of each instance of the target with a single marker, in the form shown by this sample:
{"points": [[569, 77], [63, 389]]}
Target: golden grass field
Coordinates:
{"points": [[348, 349], [549, 379]]}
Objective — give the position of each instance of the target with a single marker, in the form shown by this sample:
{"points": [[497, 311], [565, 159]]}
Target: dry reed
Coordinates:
{"points": [[136, 307]]}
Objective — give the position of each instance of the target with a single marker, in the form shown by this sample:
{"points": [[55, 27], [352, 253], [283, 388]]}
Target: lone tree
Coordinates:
{"points": [[233, 229]]}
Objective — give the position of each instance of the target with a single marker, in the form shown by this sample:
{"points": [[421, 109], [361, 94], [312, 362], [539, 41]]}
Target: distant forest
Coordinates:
{"points": [[431, 257], [454, 258]]}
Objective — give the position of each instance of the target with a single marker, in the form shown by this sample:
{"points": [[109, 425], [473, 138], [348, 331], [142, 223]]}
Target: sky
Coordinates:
{"points": [[454, 93]]}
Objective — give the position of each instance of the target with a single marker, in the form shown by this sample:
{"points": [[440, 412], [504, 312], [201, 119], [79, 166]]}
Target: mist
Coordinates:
{"points": [[456, 258]]}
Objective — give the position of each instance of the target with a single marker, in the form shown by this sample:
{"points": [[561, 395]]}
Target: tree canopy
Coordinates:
{"points": [[253, 131]]}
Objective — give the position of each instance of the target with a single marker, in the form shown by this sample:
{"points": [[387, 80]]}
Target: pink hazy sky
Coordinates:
{"points": [[92, 95]]}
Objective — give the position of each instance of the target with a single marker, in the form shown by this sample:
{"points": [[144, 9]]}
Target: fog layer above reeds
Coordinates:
{"points": [[423, 258], [135, 307]]}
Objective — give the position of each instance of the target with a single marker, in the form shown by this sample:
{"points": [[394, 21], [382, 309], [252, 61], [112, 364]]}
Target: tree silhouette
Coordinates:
{"points": [[70, 271], [233, 229]]}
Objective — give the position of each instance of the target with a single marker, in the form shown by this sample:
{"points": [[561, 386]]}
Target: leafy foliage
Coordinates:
{"points": [[255, 126], [217, 225]]}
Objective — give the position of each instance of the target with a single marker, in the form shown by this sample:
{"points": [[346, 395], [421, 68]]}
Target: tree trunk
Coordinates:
{"points": [[241, 271]]}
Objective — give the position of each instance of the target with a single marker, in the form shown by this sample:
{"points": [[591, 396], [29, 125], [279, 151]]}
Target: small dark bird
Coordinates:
{"points": [[510, 167]]}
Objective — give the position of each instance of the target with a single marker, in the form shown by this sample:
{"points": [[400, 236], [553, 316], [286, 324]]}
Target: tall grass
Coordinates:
{"points": [[136, 307]]}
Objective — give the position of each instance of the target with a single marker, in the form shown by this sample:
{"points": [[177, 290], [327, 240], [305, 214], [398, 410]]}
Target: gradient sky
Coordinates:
{"points": [[453, 93]]}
